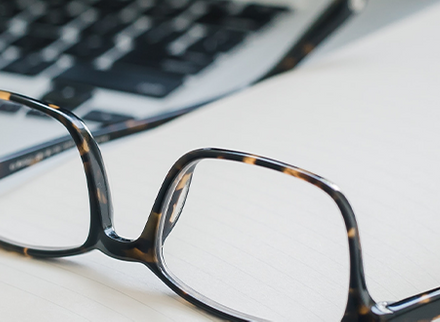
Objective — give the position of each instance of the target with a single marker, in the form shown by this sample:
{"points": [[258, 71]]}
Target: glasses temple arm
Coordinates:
{"points": [[422, 307], [25, 158]]}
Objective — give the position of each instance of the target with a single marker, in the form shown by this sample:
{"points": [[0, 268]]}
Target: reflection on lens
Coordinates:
{"points": [[257, 241], [43, 194]]}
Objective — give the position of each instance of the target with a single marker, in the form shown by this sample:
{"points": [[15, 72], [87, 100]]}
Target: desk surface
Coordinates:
{"points": [[349, 116]]}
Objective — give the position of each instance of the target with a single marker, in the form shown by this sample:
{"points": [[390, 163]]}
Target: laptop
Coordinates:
{"points": [[113, 61]]}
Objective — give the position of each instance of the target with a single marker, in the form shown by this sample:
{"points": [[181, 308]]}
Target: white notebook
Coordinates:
{"points": [[365, 117]]}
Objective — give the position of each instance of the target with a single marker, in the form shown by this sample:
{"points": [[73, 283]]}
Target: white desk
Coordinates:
{"points": [[366, 117]]}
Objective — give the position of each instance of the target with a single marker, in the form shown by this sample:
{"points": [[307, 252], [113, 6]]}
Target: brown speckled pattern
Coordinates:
{"points": [[147, 248]]}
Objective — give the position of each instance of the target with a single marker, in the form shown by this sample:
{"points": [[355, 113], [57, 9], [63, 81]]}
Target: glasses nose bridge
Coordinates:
{"points": [[137, 250], [113, 245], [102, 224]]}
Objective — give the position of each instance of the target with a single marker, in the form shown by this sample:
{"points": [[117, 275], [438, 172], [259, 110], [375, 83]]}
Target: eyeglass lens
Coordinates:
{"points": [[34, 210], [257, 241]]}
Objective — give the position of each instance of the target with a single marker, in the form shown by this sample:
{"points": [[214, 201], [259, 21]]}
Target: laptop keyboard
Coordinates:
{"points": [[143, 47]]}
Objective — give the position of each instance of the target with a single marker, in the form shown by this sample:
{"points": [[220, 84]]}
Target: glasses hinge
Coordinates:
{"points": [[381, 308]]}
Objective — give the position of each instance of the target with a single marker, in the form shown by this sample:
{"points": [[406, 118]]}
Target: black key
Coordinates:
{"points": [[107, 26], [106, 6], [55, 3], [261, 13], [4, 24], [30, 43], [184, 64], [188, 63], [252, 18], [106, 118], [30, 65], [218, 40], [148, 58], [126, 78], [168, 8], [42, 30], [239, 23], [91, 47], [8, 9], [9, 107], [255, 16], [151, 47], [195, 57], [160, 35], [68, 96], [216, 11], [56, 16]]}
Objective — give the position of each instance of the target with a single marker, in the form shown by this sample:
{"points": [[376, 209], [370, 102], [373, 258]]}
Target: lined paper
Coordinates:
{"points": [[365, 118]]}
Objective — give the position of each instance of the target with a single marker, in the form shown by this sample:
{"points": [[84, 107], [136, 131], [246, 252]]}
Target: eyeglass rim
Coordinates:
{"points": [[360, 305], [358, 296]]}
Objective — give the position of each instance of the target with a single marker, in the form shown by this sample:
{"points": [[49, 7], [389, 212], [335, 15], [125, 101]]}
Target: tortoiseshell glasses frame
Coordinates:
{"points": [[147, 248]]}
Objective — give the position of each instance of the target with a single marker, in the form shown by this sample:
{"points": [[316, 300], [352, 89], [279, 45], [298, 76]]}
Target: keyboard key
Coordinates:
{"points": [[106, 26], [9, 107], [160, 35], [151, 47], [184, 64], [55, 3], [68, 96], [239, 23], [126, 78], [187, 63], [56, 16], [4, 24], [58, 13], [218, 40], [29, 65], [106, 118], [106, 6], [255, 16], [168, 8], [8, 9], [31, 43], [251, 18], [147, 58], [216, 11], [42, 30], [90, 47], [260, 13]]}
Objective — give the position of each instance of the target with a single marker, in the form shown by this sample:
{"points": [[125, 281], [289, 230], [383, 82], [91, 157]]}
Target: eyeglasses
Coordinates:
{"points": [[191, 240]]}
